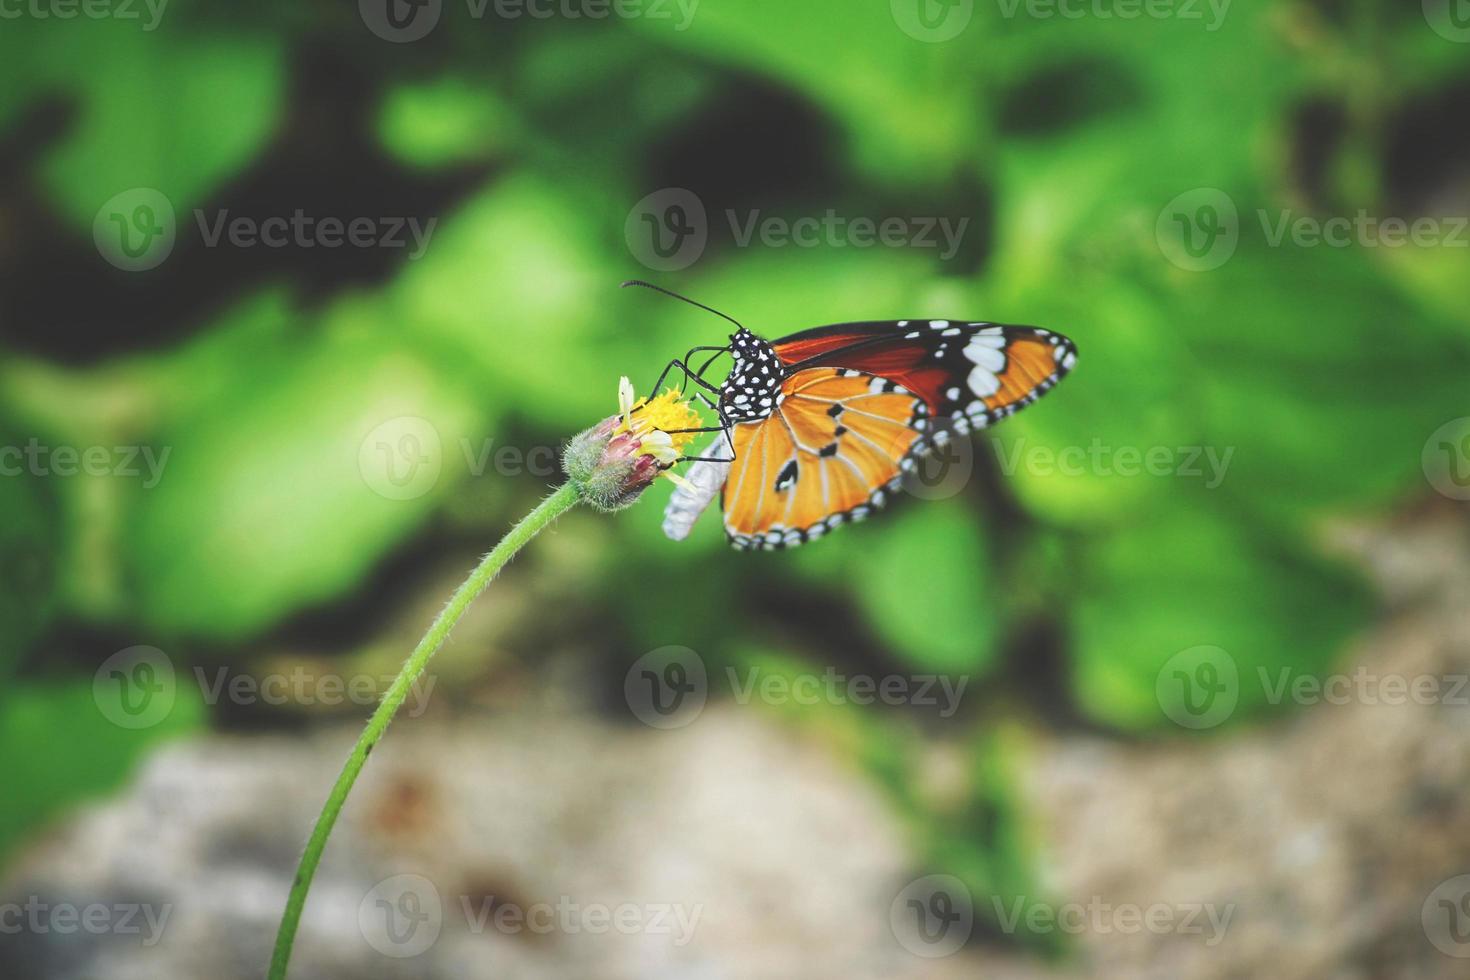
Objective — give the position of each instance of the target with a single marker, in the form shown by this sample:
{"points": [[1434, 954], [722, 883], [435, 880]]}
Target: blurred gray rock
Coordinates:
{"points": [[547, 841]]}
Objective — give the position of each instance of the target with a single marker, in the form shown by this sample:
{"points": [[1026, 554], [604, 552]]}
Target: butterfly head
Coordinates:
{"points": [[754, 381]]}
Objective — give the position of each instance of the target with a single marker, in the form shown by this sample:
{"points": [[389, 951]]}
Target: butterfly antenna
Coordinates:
{"points": [[686, 299]]}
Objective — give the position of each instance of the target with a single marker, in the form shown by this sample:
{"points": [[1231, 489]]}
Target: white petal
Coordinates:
{"points": [[625, 396]]}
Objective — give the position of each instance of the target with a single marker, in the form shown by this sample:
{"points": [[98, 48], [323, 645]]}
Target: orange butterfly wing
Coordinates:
{"points": [[835, 445], [975, 372]]}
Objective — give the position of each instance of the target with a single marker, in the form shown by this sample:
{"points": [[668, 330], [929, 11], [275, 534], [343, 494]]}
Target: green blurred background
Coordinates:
{"points": [[337, 431]]}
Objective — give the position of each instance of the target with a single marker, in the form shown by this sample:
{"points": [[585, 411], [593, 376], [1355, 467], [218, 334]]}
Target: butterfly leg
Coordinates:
{"points": [[688, 376], [683, 365], [724, 422], [724, 427]]}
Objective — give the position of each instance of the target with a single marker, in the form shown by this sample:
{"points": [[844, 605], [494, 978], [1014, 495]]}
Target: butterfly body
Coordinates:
{"points": [[751, 388], [821, 426]]}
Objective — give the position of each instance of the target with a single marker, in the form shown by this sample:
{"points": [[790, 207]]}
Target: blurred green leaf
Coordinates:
{"points": [[286, 491], [56, 744], [1190, 575], [924, 581], [30, 538], [906, 103], [175, 112], [446, 121]]}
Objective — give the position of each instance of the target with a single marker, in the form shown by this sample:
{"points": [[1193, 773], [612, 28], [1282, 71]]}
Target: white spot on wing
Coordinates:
{"points": [[983, 382], [990, 357]]}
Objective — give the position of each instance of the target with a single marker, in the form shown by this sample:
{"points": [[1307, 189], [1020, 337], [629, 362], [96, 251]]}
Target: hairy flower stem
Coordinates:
{"points": [[533, 523]]}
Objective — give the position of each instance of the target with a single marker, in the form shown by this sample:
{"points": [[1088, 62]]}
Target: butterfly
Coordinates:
{"points": [[817, 429]]}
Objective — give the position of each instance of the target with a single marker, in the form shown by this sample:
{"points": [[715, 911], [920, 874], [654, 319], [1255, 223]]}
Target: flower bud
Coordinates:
{"points": [[613, 462]]}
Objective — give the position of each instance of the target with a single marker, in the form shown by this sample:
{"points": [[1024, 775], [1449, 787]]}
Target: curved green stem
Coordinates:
{"points": [[547, 511]]}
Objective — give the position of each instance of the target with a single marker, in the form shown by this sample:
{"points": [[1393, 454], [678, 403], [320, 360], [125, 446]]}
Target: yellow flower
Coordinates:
{"points": [[655, 424], [617, 459]]}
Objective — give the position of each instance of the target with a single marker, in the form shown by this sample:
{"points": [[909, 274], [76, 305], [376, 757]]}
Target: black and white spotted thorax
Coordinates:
{"points": [[753, 387]]}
